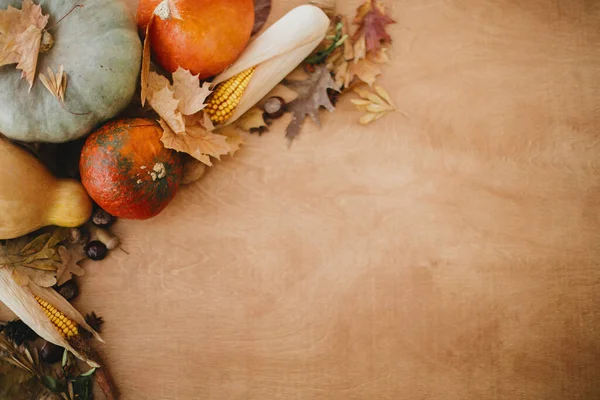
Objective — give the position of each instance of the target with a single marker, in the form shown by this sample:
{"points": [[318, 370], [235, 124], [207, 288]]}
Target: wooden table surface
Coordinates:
{"points": [[452, 255]]}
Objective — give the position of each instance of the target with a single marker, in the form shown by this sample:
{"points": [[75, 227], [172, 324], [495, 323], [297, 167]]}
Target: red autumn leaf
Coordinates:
{"points": [[373, 20]]}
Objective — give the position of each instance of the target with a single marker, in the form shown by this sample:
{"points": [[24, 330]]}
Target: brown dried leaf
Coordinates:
{"points": [[365, 70], [373, 20], [234, 139], [252, 119], [146, 56], [379, 56], [187, 90], [40, 277], [21, 36], [70, 257], [262, 9], [166, 105], [328, 6], [55, 83], [312, 95], [196, 141]]}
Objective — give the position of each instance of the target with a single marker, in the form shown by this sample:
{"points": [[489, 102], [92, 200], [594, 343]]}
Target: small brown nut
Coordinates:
{"points": [[102, 218], [274, 107]]}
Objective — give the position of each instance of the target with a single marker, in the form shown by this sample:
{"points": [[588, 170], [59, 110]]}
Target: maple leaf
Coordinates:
{"points": [[21, 34], [196, 141], [234, 139], [312, 95], [372, 19], [162, 99], [187, 90], [70, 257]]}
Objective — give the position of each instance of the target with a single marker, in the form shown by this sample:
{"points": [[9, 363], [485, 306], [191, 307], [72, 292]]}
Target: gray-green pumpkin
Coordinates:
{"points": [[100, 49]]}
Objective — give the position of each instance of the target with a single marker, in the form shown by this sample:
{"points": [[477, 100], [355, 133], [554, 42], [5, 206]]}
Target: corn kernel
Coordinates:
{"points": [[226, 97], [64, 325]]}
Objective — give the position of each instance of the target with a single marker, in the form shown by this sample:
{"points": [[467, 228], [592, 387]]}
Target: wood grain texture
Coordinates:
{"points": [[452, 255]]}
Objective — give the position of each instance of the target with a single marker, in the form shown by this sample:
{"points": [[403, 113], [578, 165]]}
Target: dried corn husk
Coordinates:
{"points": [[18, 294], [276, 53]]}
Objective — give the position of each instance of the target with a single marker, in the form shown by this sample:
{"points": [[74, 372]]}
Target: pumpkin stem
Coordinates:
{"points": [[64, 16], [70, 205]]}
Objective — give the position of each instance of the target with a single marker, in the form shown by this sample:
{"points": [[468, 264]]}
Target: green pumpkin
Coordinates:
{"points": [[100, 49]]}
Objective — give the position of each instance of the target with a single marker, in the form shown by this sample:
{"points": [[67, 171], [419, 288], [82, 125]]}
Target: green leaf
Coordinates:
{"points": [[89, 373], [52, 384]]}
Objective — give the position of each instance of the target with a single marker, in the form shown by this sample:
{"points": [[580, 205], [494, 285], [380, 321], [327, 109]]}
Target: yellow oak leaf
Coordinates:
{"points": [[375, 105], [196, 141], [188, 91], [21, 33]]}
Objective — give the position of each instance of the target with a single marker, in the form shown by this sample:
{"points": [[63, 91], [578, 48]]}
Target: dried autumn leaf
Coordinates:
{"points": [[146, 56], [365, 70], [70, 257], [312, 95], [252, 119], [373, 20], [187, 89], [56, 83], [262, 9], [21, 34], [234, 139], [196, 141], [379, 57], [328, 6], [164, 103], [375, 105]]}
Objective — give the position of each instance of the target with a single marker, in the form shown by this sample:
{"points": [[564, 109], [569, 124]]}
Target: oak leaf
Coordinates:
{"points": [[70, 258], [21, 33], [312, 95], [372, 21]]}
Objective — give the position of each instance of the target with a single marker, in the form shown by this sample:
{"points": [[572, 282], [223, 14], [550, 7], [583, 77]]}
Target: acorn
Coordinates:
{"points": [[96, 250]]}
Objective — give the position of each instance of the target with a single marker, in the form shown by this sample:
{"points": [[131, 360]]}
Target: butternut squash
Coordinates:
{"points": [[31, 198]]}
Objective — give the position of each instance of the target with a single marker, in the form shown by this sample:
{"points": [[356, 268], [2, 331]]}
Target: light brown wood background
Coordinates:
{"points": [[452, 255]]}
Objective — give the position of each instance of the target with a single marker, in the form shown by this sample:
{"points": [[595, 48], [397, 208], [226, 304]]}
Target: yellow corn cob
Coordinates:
{"points": [[65, 326], [227, 95]]}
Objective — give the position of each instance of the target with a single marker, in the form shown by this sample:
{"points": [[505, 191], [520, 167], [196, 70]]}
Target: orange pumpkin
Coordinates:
{"points": [[207, 37], [127, 171]]}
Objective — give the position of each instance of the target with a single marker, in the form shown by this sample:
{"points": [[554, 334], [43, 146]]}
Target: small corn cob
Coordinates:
{"points": [[65, 326], [227, 95]]}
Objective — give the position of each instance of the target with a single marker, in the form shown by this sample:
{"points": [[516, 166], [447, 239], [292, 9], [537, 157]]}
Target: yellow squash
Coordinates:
{"points": [[31, 198]]}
